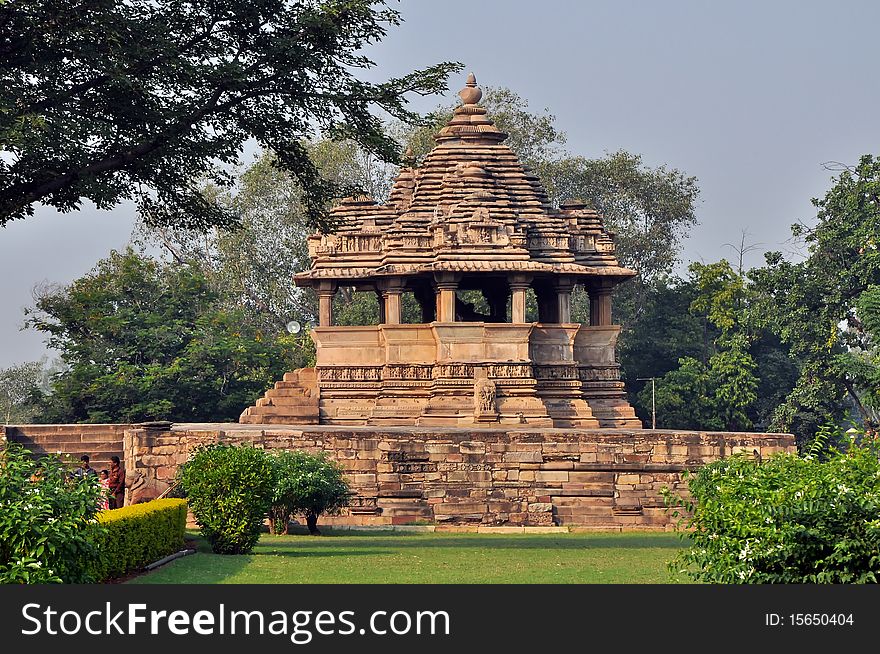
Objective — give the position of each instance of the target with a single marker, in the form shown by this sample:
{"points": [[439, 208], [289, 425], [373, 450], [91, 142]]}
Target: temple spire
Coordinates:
{"points": [[469, 120], [471, 93]]}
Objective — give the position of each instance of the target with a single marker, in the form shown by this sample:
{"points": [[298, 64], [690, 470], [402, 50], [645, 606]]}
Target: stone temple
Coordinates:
{"points": [[471, 217], [479, 415]]}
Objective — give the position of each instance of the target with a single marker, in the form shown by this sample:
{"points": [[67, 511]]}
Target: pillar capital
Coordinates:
{"points": [[447, 280], [519, 281], [564, 284], [326, 287], [390, 285]]}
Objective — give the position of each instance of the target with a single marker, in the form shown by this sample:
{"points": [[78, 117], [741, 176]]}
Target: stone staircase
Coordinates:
{"points": [[293, 401], [100, 442]]}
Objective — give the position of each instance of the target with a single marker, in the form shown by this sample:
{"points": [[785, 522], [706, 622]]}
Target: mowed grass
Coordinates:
{"points": [[440, 558]]}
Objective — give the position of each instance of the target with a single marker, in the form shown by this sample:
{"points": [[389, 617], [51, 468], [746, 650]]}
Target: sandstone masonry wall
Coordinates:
{"points": [[100, 442], [461, 476]]}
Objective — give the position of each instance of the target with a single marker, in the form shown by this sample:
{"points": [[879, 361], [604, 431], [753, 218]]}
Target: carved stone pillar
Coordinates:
{"points": [[326, 290], [447, 283], [564, 287], [519, 284], [391, 291], [600, 305]]}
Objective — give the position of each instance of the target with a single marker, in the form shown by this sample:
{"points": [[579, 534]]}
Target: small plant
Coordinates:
{"points": [[305, 483], [786, 519], [229, 489], [48, 529]]}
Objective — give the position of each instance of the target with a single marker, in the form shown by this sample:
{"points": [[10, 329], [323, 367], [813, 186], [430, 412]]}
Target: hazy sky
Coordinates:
{"points": [[750, 97]]}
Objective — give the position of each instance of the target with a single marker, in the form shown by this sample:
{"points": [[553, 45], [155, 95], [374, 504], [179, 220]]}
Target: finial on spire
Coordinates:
{"points": [[471, 93]]}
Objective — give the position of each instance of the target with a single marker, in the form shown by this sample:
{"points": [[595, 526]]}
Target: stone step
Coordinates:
{"points": [[287, 400], [293, 391], [74, 440], [55, 445], [280, 420], [292, 410], [308, 374]]}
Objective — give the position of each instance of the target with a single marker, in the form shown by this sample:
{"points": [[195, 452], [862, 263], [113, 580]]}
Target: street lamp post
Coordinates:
{"points": [[653, 400]]}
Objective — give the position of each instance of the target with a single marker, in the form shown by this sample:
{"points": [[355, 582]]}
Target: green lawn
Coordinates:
{"points": [[417, 558]]}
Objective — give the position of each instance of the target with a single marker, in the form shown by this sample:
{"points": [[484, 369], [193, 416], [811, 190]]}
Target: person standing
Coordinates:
{"points": [[106, 498], [117, 483], [84, 470]]}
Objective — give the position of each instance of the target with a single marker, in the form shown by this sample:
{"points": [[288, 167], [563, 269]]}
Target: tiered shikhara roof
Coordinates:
{"points": [[470, 207]]}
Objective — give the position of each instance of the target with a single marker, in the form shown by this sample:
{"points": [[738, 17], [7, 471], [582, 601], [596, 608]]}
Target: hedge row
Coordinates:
{"points": [[138, 535]]}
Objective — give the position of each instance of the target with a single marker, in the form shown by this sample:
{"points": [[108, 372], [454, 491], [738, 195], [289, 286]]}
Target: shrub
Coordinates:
{"points": [[139, 534], [786, 520], [229, 489], [305, 483], [47, 520]]}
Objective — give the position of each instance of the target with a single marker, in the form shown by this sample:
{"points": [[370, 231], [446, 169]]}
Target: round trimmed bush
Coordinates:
{"points": [[229, 490], [305, 483]]}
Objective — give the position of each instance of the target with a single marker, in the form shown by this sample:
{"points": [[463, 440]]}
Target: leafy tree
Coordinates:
{"points": [[125, 100], [19, 388], [46, 519], [250, 267], [860, 363], [144, 340], [664, 332], [719, 391], [229, 489], [305, 483], [812, 305]]}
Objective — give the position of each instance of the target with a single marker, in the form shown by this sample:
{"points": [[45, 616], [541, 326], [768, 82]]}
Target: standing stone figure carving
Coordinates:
{"points": [[484, 398]]}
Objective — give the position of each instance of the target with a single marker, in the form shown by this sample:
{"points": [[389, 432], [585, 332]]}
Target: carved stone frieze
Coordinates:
{"points": [[350, 373], [407, 371]]}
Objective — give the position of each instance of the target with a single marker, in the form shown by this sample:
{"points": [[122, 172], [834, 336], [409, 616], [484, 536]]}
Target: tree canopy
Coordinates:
{"points": [[145, 340], [816, 306], [108, 101]]}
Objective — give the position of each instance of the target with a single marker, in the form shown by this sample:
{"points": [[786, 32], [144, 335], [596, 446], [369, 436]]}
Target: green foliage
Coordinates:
{"points": [[720, 294], [806, 303], [19, 391], [721, 392], [860, 363], [47, 520], [145, 340], [305, 483], [786, 520], [137, 535], [140, 101], [229, 490]]}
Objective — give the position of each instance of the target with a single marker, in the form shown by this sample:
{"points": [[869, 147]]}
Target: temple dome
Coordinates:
{"points": [[470, 200]]}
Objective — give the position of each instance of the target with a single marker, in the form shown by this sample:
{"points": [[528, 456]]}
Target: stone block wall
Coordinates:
{"points": [[100, 442], [462, 476]]}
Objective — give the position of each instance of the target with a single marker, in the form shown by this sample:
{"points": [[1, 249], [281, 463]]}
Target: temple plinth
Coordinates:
{"points": [[469, 222]]}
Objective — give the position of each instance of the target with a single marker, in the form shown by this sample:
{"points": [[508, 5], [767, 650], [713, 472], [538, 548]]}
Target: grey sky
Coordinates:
{"points": [[750, 97]]}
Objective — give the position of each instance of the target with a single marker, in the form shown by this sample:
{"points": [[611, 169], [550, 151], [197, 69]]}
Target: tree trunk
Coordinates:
{"points": [[312, 524]]}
